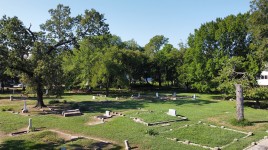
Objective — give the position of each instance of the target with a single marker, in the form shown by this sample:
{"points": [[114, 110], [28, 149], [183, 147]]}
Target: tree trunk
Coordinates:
{"points": [[159, 78], [239, 102], [107, 88], [40, 102]]}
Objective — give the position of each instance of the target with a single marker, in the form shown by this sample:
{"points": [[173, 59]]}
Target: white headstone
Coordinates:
{"points": [[11, 98], [156, 94], [172, 112], [127, 147], [93, 97], [194, 97], [139, 94], [107, 113], [116, 98], [46, 92], [174, 94], [30, 125]]}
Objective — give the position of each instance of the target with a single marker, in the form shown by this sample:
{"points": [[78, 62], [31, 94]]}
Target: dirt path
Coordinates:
{"points": [[260, 145]]}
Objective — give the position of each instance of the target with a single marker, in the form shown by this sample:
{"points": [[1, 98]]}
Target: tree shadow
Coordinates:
{"points": [[96, 145], [25, 145]]}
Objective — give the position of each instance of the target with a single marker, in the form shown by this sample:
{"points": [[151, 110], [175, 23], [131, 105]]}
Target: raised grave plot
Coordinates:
{"points": [[156, 117], [206, 136]]}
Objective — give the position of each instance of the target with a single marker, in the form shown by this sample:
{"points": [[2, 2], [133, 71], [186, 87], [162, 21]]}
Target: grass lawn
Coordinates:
{"points": [[204, 135], [207, 108]]}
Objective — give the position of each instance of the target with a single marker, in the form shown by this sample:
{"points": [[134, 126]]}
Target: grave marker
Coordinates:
{"points": [[127, 147], [174, 94], [194, 97], [24, 110], [11, 98], [107, 113], [30, 125], [172, 112], [93, 97], [156, 94], [139, 95]]}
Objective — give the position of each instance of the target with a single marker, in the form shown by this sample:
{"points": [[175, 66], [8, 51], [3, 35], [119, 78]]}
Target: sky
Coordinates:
{"points": [[134, 19]]}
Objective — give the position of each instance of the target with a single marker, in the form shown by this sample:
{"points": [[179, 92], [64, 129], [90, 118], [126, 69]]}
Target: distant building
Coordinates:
{"points": [[263, 79]]}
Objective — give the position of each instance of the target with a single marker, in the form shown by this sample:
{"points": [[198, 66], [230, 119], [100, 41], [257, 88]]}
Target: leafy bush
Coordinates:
{"points": [[257, 93], [74, 106], [54, 102], [241, 123], [151, 132]]}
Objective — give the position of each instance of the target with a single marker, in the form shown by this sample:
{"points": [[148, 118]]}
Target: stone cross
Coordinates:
{"points": [[172, 112], [127, 147], [30, 125]]}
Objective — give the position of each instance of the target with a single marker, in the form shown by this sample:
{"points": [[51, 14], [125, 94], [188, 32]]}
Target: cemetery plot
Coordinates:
{"points": [[206, 136], [156, 117]]}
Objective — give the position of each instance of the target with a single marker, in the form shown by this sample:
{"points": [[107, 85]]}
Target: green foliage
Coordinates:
{"points": [[55, 101], [257, 93], [241, 123], [151, 132]]}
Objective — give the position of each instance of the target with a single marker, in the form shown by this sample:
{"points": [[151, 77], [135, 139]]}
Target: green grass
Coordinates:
{"points": [[154, 116], [204, 135], [207, 108]]}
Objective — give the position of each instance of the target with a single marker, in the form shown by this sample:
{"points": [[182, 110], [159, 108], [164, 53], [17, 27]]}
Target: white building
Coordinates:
{"points": [[263, 78]]}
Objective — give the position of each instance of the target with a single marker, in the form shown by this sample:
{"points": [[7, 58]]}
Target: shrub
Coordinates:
{"points": [[151, 132], [74, 106], [241, 123], [54, 102]]}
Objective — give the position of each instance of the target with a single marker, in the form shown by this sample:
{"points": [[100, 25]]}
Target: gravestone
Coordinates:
{"points": [[11, 98], [24, 110], [174, 94], [194, 97], [172, 112], [139, 95], [93, 97], [116, 98], [127, 147], [156, 94], [30, 125], [107, 113]]}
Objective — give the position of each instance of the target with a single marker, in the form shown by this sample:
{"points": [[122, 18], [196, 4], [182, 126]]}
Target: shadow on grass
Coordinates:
{"points": [[96, 145], [25, 145]]}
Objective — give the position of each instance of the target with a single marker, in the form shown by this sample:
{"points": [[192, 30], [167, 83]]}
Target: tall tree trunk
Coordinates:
{"points": [[40, 102], [239, 102], [107, 88], [159, 78]]}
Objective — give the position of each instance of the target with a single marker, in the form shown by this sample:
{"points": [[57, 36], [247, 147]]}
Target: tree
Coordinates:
{"points": [[27, 52]]}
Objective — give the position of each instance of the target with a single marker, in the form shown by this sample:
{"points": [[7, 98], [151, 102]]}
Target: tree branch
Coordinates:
{"points": [[60, 43]]}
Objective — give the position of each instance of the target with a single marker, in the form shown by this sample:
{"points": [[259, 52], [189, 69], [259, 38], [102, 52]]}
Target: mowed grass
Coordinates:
{"points": [[207, 108], [204, 135], [154, 116]]}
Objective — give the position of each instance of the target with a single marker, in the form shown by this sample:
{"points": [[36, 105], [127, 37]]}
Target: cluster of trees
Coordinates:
{"points": [[80, 52]]}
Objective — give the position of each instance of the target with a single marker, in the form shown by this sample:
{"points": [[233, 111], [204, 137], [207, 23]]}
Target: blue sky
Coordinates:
{"points": [[134, 19]]}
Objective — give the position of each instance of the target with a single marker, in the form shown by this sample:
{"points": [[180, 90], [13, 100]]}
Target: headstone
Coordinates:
{"points": [[46, 92], [11, 98], [174, 94], [13, 91], [139, 95], [24, 110], [127, 147], [116, 98], [30, 125], [107, 113], [172, 112], [93, 97], [194, 97], [156, 94]]}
